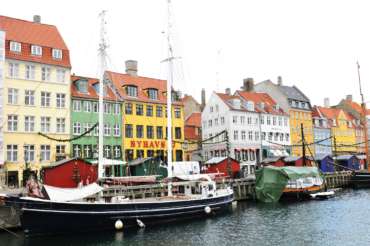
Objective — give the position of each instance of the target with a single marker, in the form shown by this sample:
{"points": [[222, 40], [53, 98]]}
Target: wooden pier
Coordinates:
{"points": [[338, 179]]}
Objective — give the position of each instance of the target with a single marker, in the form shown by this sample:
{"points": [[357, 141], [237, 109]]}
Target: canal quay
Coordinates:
{"points": [[342, 220]]}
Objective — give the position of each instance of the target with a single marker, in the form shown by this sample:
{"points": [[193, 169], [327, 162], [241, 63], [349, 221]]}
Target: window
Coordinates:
{"points": [[116, 109], [250, 135], [45, 99], [159, 111], [116, 130], [36, 50], [242, 120], [107, 129], [15, 46], [281, 137], [256, 136], [61, 100], [216, 107], [87, 151], [87, 127], [243, 135], [117, 151], [149, 132], [29, 97], [82, 85], [268, 120], [57, 54], [61, 75], [12, 152], [128, 108], [12, 96], [45, 73], [45, 124], [139, 131], [76, 106], [270, 136], [276, 136], [128, 131], [287, 137], [29, 153], [262, 120], [274, 121], [45, 152], [249, 120], [235, 119], [30, 72], [96, 130], [13, 70], [178, 132], [77, 128], [149, 110], [159, 132], [236, 133], [95, 107], [87, 106], [216, 122], [77, 150], [61, 125], [153, 94], [280, 120], [139, 109], [285, 121], [29, 123], [222, 120], [12, 123], [263, 136], [107, 108], [131, 91], [139, 153], [209, 123], [177, 113]]}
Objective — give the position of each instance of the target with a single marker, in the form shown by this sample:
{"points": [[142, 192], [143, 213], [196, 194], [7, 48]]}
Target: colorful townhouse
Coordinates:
{"points": [[257, 127], [322, 133], [36, 96], [298, 106], [356, 113], [342, 130], [85, 115], [145, 115]]}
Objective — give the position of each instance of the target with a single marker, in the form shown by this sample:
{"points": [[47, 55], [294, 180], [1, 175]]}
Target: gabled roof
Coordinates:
{"points": [[120, 81], [292, 92], [194, 119], [30, 33], [329, 113], [91, 92], [226, 99], [259, 97], [191, 133]]}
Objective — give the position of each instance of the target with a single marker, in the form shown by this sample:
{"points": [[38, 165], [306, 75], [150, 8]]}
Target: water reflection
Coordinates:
{"points": [[343, 220]]}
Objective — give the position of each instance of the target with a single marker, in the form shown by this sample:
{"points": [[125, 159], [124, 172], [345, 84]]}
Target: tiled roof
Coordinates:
{"points": [[191, 133], [226, 99], [315, 112], [329, 113], [30, 33], [120, 80], [194, 119], [357, 107], [188, 97], [292, 92], [257, 98], [91, 92]]}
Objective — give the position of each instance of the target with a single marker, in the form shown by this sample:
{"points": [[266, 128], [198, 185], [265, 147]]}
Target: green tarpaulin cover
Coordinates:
{"points": [[271, 181]]}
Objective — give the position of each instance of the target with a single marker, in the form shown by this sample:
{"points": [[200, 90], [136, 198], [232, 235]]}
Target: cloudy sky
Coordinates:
{"points": [[311, 44]]}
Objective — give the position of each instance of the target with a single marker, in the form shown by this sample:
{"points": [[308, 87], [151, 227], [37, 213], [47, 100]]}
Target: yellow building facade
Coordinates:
{"points": [[344, 133], [298, 117], [36, 98]]}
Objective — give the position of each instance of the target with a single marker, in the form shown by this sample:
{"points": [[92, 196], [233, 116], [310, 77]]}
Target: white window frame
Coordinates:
{"points": [[29, 98], [30, 72], [29, 123], [57, 54], [12, 123], [11, 152], [45, 99], [13, 96], [45, 124], [60, 125], [61, 100], [76, 128], [13, 71], [15, 46], [116, 108], [61, 75], [29, 152], [87, 106], [36, 50], [107, 129], [45, 152], [116, 130], [76, 105], [45, 73]]}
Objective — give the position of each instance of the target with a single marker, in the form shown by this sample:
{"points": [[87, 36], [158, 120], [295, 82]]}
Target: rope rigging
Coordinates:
{"points": [[69, 139]]}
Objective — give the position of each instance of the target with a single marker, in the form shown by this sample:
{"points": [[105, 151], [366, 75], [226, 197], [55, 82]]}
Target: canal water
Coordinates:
{"points": [[343, 220]]}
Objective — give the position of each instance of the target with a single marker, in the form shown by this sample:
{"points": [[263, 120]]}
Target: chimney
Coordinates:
{"points": [[279, 80], [37, 19], [203, 99], [131, 67], [248, 84], [228, 91], [326, 102], [349, 98]]}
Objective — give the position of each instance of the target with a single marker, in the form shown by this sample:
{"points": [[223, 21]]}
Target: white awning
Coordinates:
{"points": [[71, 194], [110, 162]]}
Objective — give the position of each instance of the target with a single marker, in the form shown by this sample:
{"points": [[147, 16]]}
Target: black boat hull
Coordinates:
{"points": [[45, 217]]}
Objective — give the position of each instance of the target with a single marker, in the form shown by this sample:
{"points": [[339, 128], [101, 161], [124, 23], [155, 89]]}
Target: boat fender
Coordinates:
{"points": [[140, 223], [208, 210], [118, 225]]}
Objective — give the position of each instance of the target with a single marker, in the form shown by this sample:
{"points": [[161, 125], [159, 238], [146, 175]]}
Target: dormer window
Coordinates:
{"points": [[57, 54], [250, 106], [36, 50], [81, 85], [334, 122], [153, 94], [131, 91], [97, 87], [15, 46]]}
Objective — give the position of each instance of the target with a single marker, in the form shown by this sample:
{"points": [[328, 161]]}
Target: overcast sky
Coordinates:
{"points": [[311, 44]]}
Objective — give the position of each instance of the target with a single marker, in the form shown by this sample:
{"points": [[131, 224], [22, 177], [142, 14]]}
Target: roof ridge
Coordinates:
{"points": [[32, 22], [144, 77]]}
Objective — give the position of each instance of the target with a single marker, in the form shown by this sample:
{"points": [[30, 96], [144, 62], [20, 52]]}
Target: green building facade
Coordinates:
{"points": [[85, 114]]}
